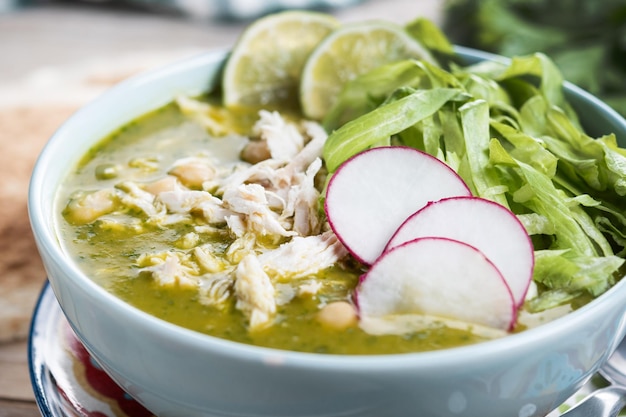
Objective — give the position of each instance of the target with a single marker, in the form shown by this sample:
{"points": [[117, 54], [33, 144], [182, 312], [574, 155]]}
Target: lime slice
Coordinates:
{"points": [[349, 51], [265, 65]]}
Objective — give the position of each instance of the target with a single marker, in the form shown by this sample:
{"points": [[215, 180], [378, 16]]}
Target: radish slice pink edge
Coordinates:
{"points": [[440, 277], [484, 224], [372, 193]]}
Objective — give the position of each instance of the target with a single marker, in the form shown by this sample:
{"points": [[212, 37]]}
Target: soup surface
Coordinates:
{"points": [[168, 217]]}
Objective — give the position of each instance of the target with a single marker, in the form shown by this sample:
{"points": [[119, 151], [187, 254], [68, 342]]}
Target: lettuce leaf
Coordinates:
{"points": [[508, 131], [384, 121]]}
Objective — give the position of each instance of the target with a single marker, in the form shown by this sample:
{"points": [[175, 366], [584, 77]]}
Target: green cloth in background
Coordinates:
{"points": [[586, 38]]}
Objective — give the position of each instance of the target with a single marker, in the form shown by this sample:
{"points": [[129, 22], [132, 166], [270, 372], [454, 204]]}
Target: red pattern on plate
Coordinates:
{"points": [[93, 379]]}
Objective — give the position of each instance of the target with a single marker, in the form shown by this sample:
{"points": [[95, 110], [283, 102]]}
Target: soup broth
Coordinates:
{"points": [[113, 236]]}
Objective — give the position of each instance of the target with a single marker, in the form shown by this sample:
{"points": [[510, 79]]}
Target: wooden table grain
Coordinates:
{"points": [[16, 394], [54, 39]]}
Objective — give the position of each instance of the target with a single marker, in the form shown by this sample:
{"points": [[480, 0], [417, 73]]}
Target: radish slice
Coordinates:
{"points": [[372, 193], [488, 226], [438, 277]]}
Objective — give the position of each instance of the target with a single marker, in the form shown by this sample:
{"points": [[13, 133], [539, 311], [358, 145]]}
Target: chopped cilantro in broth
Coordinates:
{"points": [[151, 138], [296, 327], [111, 248]]}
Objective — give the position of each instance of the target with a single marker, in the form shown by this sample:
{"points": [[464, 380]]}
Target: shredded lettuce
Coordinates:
{"points": [[509, 132], [383, 122]]}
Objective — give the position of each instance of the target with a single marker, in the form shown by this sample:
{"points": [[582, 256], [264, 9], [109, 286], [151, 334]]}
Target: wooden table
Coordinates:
{"points": [[56, 57], [16, 395]]}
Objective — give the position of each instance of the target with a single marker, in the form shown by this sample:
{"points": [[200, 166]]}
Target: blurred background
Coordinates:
{"points": [[587, 38], [41, 35], [56, 55]]}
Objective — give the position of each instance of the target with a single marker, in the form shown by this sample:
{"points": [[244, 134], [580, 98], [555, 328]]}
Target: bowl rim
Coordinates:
{"points": [[45, 233]]}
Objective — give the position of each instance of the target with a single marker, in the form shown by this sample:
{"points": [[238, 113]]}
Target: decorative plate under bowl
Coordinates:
{"points": [[66, 380]]}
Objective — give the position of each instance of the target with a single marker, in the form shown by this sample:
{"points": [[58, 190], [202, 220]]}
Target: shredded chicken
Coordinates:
{"points": [[309, 288], [305, 217], [135, 197], [216, 289], [251, 201], [284, 293], [170, 268], [182, 201], [255, 293], [284, 141], [265, 216], [303, 256], [310, 152], [208, 260], [241, 247]]}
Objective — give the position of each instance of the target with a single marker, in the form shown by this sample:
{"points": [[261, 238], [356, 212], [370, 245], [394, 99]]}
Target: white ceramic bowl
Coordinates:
{"points": [[177, 372]]}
